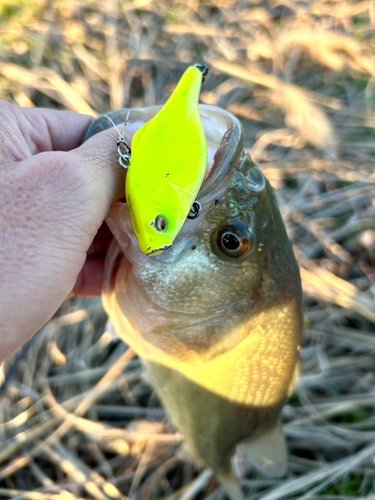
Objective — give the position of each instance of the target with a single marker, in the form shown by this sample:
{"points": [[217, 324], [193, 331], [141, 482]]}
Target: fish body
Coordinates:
{"points": [[217, 317], [167, 166]]}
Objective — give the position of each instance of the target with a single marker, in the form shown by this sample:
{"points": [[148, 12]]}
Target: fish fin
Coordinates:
{"points": [[294, 380], [267, 452], [231, 485]]}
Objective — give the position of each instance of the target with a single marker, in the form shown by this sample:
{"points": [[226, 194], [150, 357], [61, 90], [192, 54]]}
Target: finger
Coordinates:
{"points": [[56, 130], [99, 158], [28, 131]]}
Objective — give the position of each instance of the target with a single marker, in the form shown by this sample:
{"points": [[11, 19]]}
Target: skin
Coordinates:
{"points": [[55, 195]]}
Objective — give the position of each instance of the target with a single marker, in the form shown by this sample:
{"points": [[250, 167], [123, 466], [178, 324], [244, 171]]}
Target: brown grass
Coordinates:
{"points": [[78, 418]]}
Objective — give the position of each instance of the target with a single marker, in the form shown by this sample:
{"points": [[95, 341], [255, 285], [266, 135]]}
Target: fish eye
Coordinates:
{"points": [[233, 240], [160, 223], [230, 241]]}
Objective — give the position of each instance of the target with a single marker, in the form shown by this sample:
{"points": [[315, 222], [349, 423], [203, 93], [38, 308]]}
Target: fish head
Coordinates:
{"points": [[227, 268]]}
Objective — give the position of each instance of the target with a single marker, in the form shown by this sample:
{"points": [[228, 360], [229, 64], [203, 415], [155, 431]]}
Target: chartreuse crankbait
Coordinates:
{"points": [[167, 166]]}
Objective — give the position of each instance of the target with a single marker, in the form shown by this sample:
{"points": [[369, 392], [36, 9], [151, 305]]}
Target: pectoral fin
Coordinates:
{"points": [[267, 452]]}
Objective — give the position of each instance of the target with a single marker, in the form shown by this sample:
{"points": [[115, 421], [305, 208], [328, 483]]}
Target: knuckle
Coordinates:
{"points": [[101, 149]]}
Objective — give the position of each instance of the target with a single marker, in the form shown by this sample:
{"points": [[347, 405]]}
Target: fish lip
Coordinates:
{"points": [[228, 152], [160, 249]]}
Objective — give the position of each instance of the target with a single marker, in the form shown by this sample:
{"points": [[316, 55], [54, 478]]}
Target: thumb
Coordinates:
{"points": [[99, 160]]}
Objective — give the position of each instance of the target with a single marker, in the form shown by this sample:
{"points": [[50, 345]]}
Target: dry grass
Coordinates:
{"points": [[78, 418]]}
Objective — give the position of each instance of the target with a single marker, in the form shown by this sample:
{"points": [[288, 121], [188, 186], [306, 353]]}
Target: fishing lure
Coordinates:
{"points": [[167, 166]]}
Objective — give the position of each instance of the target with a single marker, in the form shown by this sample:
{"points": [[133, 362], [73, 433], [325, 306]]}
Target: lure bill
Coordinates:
{"points": [[167, 166]]}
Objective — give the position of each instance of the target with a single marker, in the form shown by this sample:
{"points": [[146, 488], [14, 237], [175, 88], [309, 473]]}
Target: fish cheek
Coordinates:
{"points": [[268, 289]]}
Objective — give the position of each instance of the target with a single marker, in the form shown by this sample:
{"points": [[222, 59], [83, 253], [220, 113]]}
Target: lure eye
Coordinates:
{"points": [[233, 240], [160, 223]]}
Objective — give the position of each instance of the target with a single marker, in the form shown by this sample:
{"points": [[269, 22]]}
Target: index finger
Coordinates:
{"points": [[57, 130], [28, 131]]}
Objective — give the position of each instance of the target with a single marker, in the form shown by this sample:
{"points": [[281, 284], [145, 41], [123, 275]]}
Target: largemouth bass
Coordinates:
{"points": [[217, 318]]}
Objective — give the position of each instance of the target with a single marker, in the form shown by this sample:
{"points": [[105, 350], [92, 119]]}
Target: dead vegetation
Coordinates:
{"points": [[78, 418]]}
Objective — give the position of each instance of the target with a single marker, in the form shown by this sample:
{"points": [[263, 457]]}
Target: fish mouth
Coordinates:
{"points": [[223, 132], [158, 251]]}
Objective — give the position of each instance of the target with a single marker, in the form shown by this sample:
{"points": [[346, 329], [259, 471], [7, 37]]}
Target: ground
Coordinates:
{"points": [[78, 418]]}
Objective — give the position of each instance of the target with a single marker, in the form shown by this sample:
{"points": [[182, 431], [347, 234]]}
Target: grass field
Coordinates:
{"points": [[78, 418]]}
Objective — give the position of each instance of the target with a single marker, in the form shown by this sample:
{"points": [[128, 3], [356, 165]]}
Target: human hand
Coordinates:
{"points": [[54, 196]]}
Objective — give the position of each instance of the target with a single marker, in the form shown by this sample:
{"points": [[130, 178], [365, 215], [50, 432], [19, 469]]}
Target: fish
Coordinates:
{"points": [[217, 317], [167, 166]]}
